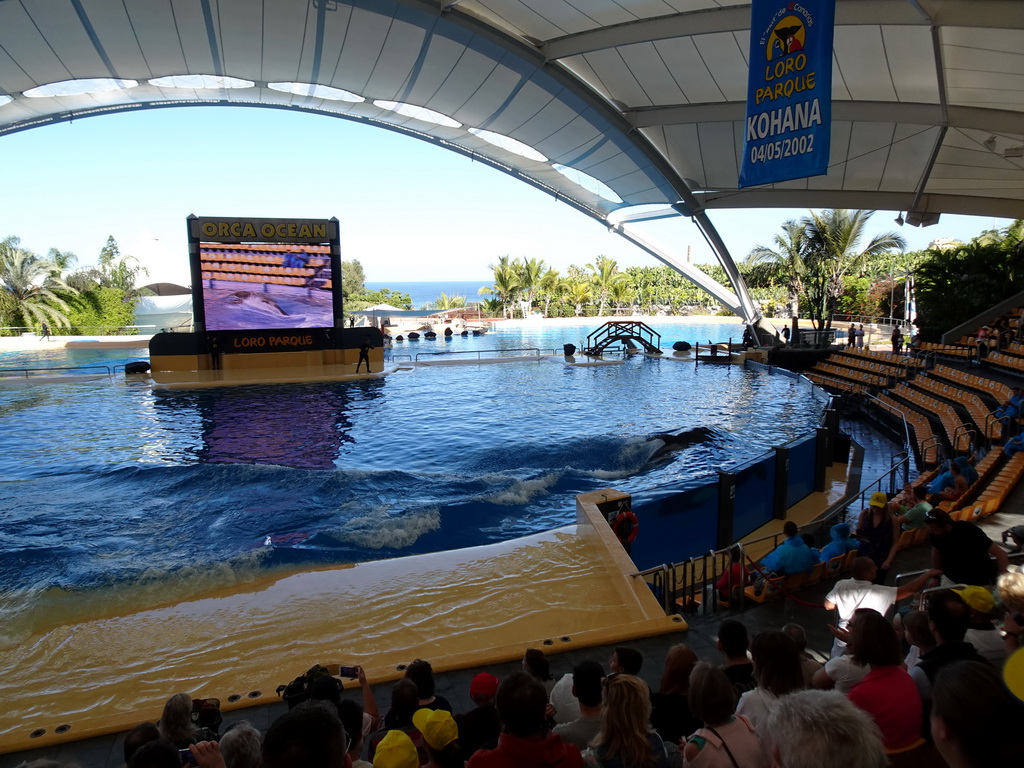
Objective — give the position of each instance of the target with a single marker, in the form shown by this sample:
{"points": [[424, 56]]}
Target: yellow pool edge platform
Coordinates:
{"points": [[561, 590]]}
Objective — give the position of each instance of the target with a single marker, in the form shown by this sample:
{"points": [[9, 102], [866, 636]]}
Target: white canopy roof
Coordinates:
{"points": [[607, 104]]}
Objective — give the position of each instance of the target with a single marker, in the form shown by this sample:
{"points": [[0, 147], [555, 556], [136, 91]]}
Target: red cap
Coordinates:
{"points": [[484, 685]]}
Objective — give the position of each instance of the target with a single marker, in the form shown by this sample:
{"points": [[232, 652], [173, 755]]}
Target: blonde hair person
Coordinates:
{"points": [[176, 721], [626, 739], [1011, 594]]}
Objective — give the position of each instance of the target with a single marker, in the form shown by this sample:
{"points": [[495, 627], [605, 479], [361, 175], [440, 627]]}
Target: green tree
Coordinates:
{"points": [[620, 293], [552, 286], [30, 288], [382, 296], [606, 274], [449, 302], [100, 308], [787, 258], [353, 279], [63, 260], [491, 307], [112, 270], [579, 294], [528, 276], [119, 271], [506, 284], [955, 284], [857, 298], [834, 252], [643, 281]]}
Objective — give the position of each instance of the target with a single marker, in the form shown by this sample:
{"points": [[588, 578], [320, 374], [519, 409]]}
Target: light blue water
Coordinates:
{"points": [[120, 492]]}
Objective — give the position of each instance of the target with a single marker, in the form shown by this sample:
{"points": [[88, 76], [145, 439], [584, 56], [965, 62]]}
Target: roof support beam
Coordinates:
{"points": [[976, 118], [975, 14], [716, 20], [940, 79], [934, 201], [696, 276]]}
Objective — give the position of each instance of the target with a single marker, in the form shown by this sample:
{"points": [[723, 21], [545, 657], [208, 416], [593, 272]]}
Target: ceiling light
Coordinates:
{"points": [[899, 219]]}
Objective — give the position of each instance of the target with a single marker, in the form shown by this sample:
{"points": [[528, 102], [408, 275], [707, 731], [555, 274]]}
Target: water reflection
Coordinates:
{"points": [[299, 426]]}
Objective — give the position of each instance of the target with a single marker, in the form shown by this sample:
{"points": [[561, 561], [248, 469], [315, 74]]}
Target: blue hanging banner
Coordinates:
{"points": [[788, 128]]}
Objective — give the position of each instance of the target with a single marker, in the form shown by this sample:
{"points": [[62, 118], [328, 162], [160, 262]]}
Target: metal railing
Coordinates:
{"points": [[908, 445], [838, 319], [962, 431], [933, 446], [478, 352], [28, 371], [687, 581], [78, 330]]}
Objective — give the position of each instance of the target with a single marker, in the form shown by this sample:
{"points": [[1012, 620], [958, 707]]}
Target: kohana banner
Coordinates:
{"points": [[788, 128]]}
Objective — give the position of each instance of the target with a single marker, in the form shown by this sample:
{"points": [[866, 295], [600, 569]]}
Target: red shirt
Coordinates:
{"points": [[890, 696], [737, 579], [517, 752]]}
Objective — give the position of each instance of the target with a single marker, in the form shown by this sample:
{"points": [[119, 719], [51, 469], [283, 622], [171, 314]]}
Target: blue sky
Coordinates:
{"points": [[408, 210]]}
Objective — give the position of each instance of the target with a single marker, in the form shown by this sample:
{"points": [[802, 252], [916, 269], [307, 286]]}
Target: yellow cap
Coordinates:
{"points": [[396, 750], [1013, 673], [437, 726], [878, 499], [978, 598]]}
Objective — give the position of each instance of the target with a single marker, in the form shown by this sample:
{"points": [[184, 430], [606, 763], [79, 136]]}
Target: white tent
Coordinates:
{"points": [[164, 313]]}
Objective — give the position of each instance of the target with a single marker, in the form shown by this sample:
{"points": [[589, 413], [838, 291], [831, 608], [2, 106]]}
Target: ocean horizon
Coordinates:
{"points": [[426, 293]]}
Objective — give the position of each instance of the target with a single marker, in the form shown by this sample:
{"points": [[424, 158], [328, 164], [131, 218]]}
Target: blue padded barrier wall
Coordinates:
{"points": [[755, 495], [675, 525], [801, 468]]}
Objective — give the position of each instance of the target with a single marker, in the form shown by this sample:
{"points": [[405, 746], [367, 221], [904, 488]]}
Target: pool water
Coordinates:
{"points": [[118, 495]]}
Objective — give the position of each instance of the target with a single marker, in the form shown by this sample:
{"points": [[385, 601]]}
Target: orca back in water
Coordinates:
{"points": [[679, 441]]}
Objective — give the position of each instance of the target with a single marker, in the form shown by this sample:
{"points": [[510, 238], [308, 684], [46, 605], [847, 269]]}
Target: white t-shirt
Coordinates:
{"points": [[851, 594], [845, 673], [754, 705], [567, 706], [989, 644]]}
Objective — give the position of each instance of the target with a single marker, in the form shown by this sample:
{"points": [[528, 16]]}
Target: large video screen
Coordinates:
{"points": [[264, 285]]}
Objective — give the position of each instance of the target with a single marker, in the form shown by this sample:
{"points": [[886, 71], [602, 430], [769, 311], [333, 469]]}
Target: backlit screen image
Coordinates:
{"points": [[249, 286]]}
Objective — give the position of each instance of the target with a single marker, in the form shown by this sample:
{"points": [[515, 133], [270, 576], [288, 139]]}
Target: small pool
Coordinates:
{"points": [[118, 494]]}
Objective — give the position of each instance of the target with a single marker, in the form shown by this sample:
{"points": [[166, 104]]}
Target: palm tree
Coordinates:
{"points": [[449, 302], [529, 275], [606, 273], [620, 293], [580, 294], [28, 286], [63, 260], [833, 252], [491, 307], [788, 259], [552, 285], [506, 283]]}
